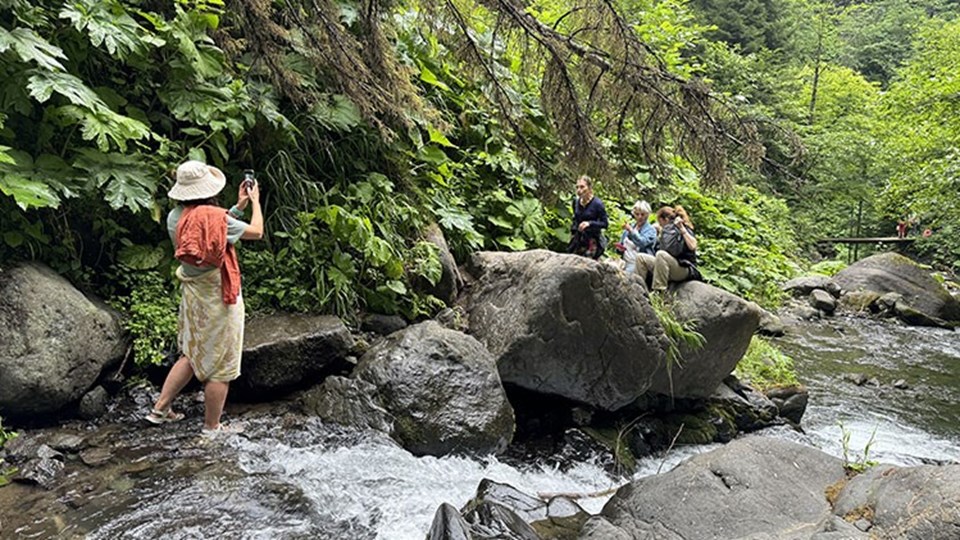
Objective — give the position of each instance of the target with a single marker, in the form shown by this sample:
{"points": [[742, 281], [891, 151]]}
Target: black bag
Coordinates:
{"points": [[672, 242]]}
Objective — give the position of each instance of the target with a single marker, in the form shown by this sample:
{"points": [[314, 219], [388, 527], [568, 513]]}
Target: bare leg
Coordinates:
{"points": [[214, 397], [180, 374]]}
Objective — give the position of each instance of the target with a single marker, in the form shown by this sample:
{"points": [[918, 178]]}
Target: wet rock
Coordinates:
{"points": [[283, 353], [750, 410], [888, 302], [67, 442], [859, 301], [442, 389], [448, 287], [901, 384], [491, 520], [94, 457], [382, 324], [448, 524], [858, 379], [905, 502], [559, 517], [791, 401], [911, 316], [350, 402], [54, 342], [873, 381], [803, 286], [565, 325], [823, 301], [753, 487], [770, 324], [892, 272], [42, 471], [727, 323], [93, 404], [863, 524]]}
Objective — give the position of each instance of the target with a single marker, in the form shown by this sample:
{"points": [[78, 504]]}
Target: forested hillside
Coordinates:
{"points": [[771, 121]]}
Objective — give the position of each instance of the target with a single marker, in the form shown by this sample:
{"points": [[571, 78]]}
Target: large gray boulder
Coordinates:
{"points": [[442, 389], [566, 325], [285, 352], [750, 488], [892, 272], [727, 323], [921, 503], [54, 341]]}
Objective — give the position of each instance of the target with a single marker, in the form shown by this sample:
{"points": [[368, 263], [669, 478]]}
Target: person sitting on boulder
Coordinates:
{"points": [[211, 309], [639, 241], [589, 221], [676, 260]]}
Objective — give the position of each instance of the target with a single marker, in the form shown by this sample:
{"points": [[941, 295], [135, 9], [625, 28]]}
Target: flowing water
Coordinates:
{"points": [[918, 424], [294, 477]]}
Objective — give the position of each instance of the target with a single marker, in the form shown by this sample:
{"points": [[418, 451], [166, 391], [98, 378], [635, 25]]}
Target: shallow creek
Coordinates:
{"points": [[293, 477]]}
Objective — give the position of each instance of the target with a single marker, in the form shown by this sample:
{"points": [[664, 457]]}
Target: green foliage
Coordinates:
{"points": [[765, 366], [5, 434], [862, 462], [349, 254], [828, 267], [680, 334], [742, 244], [151, 312]]}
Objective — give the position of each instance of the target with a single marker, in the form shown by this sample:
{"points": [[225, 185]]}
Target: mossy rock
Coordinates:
{"points": [[697, 429]]}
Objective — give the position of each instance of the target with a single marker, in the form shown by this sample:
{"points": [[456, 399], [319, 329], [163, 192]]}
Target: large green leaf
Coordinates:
{"points": [[127, 182], [28, 193], [30, 47], [106, 23]]}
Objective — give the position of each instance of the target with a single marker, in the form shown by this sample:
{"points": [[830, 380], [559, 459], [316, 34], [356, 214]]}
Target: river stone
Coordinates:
{"points": [[285, 352], [892, 272], [448, 524], [93, 404], [491, 520], [382, 324], [448, 287], [770, 324], [921, 503], [443, 390], [727, 323], [750, 409], [753, 487], [54, 342], [859, 301], [566, 325], [804, 285], [911, 316], [823, 301], [44, 472], [791, 401], [350, 402]]}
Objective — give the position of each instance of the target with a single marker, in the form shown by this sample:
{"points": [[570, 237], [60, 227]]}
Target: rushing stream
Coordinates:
{"points": [[916, 424], [293, 477]]}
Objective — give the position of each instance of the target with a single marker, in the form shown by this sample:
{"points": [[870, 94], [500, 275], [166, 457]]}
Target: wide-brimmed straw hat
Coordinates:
{"points": [[197, 180]]}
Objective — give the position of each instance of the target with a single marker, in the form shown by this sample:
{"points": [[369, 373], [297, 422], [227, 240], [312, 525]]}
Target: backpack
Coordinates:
{"points": [[672, 242]]}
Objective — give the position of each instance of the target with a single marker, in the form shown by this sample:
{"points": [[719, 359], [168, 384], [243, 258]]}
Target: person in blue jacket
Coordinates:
{"points": [[639, 241], [589, 221]]}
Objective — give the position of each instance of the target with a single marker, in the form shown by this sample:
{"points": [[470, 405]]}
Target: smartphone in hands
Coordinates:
{"points": [[249, 179]]}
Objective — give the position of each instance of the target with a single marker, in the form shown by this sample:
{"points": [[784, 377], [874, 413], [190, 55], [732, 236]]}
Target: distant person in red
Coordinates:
{"points": [[902, 229]]}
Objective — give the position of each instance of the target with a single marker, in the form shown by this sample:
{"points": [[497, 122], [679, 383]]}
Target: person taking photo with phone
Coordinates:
{"points": [[676, 260], [211, 317]]}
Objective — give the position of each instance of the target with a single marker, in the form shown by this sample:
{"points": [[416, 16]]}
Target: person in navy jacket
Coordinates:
{"points": [[589, 221]]}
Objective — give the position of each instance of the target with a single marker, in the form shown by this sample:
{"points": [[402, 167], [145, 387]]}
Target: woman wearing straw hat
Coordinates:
{"points": [[211, 309]]}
